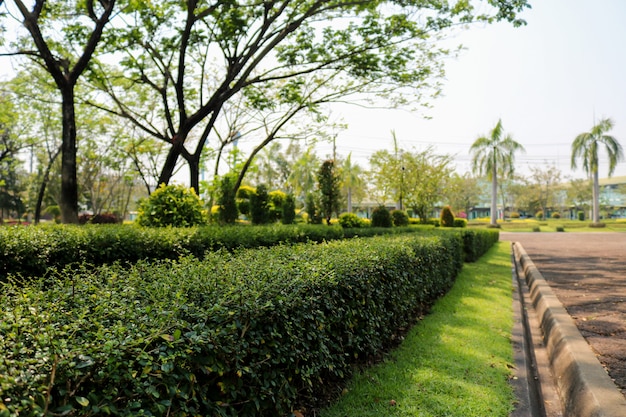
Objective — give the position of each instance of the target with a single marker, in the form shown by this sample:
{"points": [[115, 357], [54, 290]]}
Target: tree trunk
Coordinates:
{"points": [[43, 185], [596, 197], [170, 162], [494, 196], [194, 174], [69, 184]]}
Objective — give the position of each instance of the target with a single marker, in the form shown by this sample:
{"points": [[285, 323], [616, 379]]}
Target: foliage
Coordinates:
{"points": [[228, 212], [328, 181], [350, 221], [454, 362], [418, 178], [258, 328], [171, 205], [244, 194], [447, 217], [581, 215], [460, 222], [288, 210], [586, 147], [276, 200], [313, 212], [493, 156], [556, 215], [560, 229], [536, 229], [539, 214], [103, 218], [515, 215], [381, 217], [399, 218], [260, 206]]}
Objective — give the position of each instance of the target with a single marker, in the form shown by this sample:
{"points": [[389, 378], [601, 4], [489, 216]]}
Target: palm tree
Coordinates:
{"points": [[493, 155], [351, 177], [586, 146]]}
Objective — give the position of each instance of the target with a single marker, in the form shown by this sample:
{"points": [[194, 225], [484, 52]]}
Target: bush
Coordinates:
{"points": [[314, 215], [350, 221], [581, 215], [228, 213], [288, 210], [460, 222], [103, 218], [276, 200], [560, 229], [399, 218], [556, 215], [447, 217], [539, 214], [171, 205], [515, 215], [244, 194], [260, 206], [381, 217], [245, 334], [536, 229]]}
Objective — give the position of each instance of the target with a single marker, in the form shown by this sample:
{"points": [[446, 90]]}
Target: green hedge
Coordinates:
{"points": [[248, 333], [35, 251]]}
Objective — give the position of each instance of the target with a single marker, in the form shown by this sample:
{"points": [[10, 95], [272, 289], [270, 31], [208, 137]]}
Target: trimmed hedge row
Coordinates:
{"points": [[250, 333], [34, 251]]}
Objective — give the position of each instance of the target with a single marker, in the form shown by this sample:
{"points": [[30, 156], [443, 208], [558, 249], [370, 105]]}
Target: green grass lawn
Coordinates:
{"points": [[551, 225], [456, 361]]}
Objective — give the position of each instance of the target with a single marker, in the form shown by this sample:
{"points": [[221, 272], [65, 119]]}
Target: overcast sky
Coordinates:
{"points": [[547, 81]]}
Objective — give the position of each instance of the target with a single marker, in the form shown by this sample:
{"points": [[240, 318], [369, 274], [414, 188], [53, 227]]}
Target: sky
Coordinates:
{"points": [[547, 81]]}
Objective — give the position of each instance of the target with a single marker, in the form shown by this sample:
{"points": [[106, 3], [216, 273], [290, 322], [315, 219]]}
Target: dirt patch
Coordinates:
{"points": [[587, 272]]}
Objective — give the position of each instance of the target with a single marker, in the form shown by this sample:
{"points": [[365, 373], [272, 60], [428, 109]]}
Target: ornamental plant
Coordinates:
{"points": [[381, 217], [447, 217], [171, 205]]}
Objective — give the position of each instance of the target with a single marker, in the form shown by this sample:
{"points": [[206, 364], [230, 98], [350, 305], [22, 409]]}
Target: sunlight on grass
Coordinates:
{"points": [[455, 362]]}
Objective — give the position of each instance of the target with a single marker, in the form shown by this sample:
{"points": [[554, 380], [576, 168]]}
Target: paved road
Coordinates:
{"points": [[587, 272]]}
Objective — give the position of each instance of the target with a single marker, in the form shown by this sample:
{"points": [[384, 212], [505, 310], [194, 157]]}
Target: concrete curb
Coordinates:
{"points": [[585, 388]]}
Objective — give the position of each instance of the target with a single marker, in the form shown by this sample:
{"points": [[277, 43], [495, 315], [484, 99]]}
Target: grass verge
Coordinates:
{"points": [[457, 361]]}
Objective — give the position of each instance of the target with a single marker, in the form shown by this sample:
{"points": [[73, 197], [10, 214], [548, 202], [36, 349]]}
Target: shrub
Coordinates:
{"points": [[560, 229], [539, 214], [447, 217], [102, 218], [260, 206], [314, 215], [244, 193], [350, 221], [171, 205], [276, 200], [399, 218], [381, 217], [556, 215], [228, 212], [536, 229], [581, 215], [460, 222], [515, 215], [245, 334], [288, 210]]}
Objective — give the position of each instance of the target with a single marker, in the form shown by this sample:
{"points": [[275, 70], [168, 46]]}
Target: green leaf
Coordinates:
{"points": [[82, 401]]}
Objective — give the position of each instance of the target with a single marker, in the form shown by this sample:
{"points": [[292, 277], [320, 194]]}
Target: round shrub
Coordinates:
{"points": [[350, 221], [447, 217], [381, 217], [539, 214], [515, 215], [460, 222], [581, 215], [400, 218], [556, 215], [171, 205]]}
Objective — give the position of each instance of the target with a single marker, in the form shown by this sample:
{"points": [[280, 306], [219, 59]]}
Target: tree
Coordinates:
{"points": [[545, 186], [586, 147], [351, 180], [463, 192], [57, 30], [493, 155], [198, 57], [227, 202], [420, 177], [328, 183], [260, 205]]}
